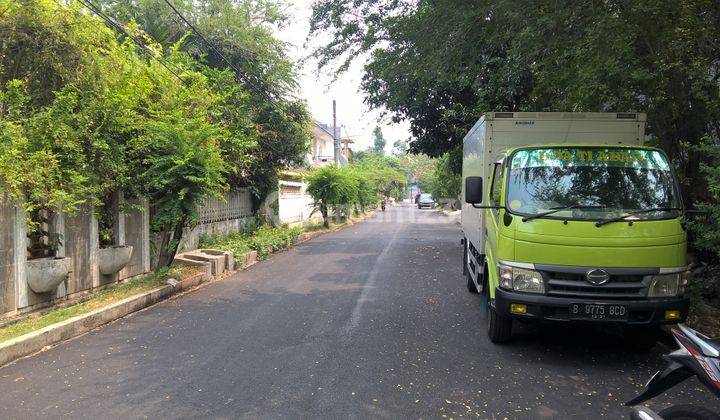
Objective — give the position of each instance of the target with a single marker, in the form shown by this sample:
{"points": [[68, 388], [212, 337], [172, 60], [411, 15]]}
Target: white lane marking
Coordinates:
{"points": [[354, 320]]}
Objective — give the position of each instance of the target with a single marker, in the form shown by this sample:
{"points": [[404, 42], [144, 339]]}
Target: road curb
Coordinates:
{"points": [[36, 341]]}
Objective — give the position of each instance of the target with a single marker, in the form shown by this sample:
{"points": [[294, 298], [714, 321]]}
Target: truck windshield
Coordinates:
{"points": [[594, 183]]}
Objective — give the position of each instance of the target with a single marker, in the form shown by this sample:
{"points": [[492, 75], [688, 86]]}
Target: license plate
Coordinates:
{"points": [[598, 311]]}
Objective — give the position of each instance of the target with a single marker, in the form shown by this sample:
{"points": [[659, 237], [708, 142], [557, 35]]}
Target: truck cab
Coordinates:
{"points": [[568, 218]]}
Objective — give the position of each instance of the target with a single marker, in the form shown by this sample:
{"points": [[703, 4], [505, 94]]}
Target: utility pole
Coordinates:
{"points": [[336, 140]]}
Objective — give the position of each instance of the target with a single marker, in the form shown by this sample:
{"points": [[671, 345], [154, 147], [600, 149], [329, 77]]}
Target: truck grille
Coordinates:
{"points": [[570, 282]]}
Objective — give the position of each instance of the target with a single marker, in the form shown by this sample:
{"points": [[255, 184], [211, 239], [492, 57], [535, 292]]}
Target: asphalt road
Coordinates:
{"points": [[370, 321]]}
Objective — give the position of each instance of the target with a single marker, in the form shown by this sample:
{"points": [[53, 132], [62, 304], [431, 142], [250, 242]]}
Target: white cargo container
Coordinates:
{"points": [[496, 132]]}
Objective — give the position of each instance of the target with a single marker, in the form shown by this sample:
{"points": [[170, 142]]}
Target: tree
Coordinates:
{"points": [[384, 174], [399, 148], [83, 115], [706, 228], [651, 56], [378, 141], [444, 182], [648, 55], [241, 32], [332, 189]]}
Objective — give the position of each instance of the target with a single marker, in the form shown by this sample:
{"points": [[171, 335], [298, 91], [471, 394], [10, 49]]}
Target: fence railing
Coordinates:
{"points": [[237, 205]]}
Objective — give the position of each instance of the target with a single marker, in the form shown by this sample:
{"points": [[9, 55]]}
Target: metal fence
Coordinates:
{"points": [[236, 205]]}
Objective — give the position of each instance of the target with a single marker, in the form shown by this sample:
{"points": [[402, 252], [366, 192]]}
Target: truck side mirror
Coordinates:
{"points": [[473, 190]]}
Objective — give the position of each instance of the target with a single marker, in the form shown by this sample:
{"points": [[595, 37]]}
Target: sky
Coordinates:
{"points": [[320, 90]]}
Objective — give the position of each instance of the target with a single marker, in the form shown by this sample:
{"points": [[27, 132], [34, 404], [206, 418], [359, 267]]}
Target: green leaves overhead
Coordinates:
{"points": [[440, 64]]}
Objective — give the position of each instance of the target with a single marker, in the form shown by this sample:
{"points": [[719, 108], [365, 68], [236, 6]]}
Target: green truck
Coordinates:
{"points": [[567, 217]]}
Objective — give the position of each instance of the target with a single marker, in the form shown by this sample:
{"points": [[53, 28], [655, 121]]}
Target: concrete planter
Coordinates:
{"points": [[113, 259], [45, 274], [229, 259], [246, 260]]}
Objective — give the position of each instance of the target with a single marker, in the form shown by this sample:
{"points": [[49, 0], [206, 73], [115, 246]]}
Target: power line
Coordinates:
{"points": [[177, 12], [95, 9], [239, 73]]}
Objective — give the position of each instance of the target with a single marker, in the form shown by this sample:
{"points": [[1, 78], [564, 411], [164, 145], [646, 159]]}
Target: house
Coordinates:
{"points": [[322, 146]]}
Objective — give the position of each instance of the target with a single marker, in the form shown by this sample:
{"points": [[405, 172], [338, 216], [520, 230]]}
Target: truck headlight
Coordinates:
{"points": [[521, 279], [664, 285]]}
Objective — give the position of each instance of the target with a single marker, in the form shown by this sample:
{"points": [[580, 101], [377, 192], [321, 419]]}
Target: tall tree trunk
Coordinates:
{"points": [[170, 239], [165, 237], [324, 211]]}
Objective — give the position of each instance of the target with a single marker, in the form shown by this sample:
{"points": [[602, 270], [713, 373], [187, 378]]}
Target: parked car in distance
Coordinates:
{"points": [[425, 200]]}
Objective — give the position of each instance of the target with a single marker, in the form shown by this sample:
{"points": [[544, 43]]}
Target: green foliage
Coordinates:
{"points": [[650, 55], [85, 113], [706, 227], [443, 182], [333, 189], [384, 174], [268, 129], [378, 141], [418, 168], [265, 240], [370, 178], [653, 56]]}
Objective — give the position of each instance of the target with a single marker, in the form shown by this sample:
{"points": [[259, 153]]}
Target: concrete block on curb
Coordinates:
{"points": [[245, 260], [204, 266], [217, 262], [224, 258], [304, 236]]}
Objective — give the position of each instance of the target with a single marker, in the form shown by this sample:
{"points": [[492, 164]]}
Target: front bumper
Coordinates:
{"points": [[550, 308]]}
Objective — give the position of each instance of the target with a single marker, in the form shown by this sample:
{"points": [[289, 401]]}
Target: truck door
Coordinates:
{"points": [[492, 218]]}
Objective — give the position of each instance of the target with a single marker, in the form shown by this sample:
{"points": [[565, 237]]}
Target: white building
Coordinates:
{"points": [[322, 146]]}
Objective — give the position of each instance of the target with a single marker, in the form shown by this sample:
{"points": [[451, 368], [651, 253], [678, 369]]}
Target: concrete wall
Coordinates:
{"points": [[295, 204], [80, 243], [191, 237], [136, 233], [219, 217], [7, 258]]}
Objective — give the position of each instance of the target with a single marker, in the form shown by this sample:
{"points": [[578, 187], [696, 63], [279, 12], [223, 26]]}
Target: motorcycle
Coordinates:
{"points": [[699, 356]]}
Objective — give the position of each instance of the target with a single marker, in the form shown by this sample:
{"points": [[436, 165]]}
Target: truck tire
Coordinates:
{"points": [[499, 327], [687, 411]]}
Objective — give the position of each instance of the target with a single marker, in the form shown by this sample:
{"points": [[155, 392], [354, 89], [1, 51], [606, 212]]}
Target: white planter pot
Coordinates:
{"points": [[114, 258], [45, 274]]}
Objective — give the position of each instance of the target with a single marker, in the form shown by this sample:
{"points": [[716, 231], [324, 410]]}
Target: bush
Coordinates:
{"points": [[333, 188], [706, 227], [445, 180], [265, 240]]}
